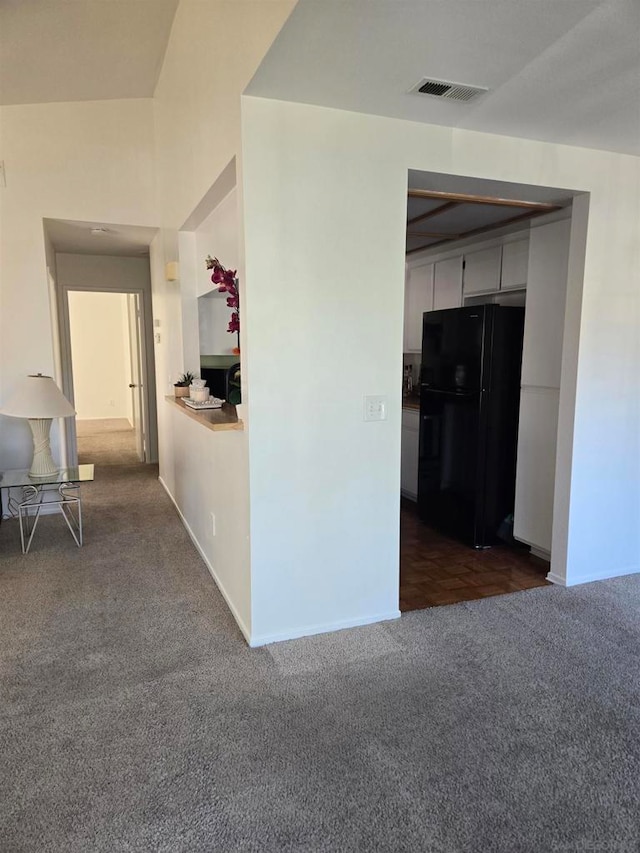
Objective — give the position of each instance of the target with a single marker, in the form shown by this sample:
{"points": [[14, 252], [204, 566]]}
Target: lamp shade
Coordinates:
{"points": [[38, 397]]}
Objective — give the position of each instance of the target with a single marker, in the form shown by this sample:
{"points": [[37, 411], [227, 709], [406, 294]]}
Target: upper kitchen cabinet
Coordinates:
{"points": [[482, 271], [447, 283], [418, 298], [515, 261]]}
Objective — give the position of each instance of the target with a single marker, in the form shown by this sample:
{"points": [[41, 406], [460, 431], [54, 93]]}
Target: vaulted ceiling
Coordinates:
{"points": [[556, 70], [81, 50]]}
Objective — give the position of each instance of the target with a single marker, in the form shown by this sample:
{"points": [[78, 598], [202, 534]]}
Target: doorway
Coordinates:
{"points": [[106, 366], [108, 373], [478, 459]]}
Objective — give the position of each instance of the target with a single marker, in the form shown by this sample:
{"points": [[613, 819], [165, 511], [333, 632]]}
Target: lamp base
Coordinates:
{"points": [[42, 464]]}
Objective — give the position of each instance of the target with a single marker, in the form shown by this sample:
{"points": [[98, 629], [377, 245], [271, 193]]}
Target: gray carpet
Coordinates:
{"points": [[134, 718], [106, 441]]}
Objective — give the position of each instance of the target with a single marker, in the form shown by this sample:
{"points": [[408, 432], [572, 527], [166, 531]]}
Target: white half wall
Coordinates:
{"points": [[206, 477], [100, 353], [325, 211]]}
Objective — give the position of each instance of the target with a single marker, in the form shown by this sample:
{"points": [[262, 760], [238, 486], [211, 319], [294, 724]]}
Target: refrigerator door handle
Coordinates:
{"points": [[427, 390]]}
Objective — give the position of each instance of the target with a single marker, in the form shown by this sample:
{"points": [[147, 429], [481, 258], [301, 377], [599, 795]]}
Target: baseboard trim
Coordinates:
{"points": [[556, 579], [325, 628], [265, 639], [108, 418], [596, 576], [243, 628]]}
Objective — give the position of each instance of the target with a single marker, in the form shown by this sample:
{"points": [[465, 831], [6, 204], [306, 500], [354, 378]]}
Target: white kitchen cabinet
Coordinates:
{"points": [[540, 379], [409, 453], [536, 467], [418, 298], [482, 271], [515, 261], [546, 297], [447, 283]]}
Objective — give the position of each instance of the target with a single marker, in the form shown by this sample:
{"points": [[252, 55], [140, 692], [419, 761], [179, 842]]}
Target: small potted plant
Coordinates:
{"points": [[181, 387]]}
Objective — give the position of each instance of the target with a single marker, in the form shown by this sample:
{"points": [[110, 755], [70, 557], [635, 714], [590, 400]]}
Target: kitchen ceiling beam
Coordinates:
{"points": [[444, 238], [463, 198], [435, 212], [434, 234]]}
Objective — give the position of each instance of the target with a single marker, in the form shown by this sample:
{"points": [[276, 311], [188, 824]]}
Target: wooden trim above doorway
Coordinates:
{"points": [[452, 201]]}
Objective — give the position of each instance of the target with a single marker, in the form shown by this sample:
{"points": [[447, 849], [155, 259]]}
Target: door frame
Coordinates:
{"points": [[150, 416]]}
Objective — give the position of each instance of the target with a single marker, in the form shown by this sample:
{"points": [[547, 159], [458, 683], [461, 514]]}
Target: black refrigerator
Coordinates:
{"points": [[469, 404]]}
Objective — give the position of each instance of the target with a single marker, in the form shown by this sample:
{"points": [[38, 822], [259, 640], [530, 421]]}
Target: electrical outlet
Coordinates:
{"points": [[213, 524], [112, 403], [375, 408]]}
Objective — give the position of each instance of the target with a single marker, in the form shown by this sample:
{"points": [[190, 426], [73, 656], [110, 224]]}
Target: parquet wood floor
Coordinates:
{"points": [[435, 570]]}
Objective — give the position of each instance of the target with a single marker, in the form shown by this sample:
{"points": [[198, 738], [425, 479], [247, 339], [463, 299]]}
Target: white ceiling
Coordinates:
{"points": [[557, 70], [79, 50], [76, 238], [563, 71]]}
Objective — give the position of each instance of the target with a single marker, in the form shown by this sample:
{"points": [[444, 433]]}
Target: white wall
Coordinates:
{"points": [[100, 354], [197, 119], [103, 272], [197, 99], [328, 276], [89, 161]]}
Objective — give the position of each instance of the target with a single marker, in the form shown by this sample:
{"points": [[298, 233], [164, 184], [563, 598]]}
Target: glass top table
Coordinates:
{"points": [[20, 477], [59, 491]]}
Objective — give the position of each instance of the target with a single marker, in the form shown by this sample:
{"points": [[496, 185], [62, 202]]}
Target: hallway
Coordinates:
{"points": [[106, 441], [134, 717]]}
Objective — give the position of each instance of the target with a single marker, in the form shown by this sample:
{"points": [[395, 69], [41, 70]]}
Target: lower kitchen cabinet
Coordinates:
{"points": [[536, 468], [409, 453]]}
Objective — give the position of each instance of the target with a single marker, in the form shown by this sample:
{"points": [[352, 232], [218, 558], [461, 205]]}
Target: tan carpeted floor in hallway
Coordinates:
{"points": [[133, 717], [108, 441]]}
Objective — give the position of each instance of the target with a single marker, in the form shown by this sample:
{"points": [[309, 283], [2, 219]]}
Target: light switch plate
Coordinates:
{"points": [[375, 408]]}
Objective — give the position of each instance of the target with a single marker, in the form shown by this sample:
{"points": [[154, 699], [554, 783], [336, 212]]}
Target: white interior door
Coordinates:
{"points": [[136, 383]]}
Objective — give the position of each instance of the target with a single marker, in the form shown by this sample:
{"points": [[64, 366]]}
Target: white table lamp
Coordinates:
{"points": [[39, 400]]}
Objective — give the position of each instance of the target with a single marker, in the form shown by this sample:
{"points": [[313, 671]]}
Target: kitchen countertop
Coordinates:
{"points": [[412, 401], [215, 419]]}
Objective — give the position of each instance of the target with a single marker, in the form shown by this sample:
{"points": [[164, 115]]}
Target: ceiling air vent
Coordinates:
{"points": [[444, 89]]}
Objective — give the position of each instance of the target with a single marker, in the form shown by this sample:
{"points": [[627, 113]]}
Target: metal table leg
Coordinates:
{"points": [[31, 499], [34, 499]]}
